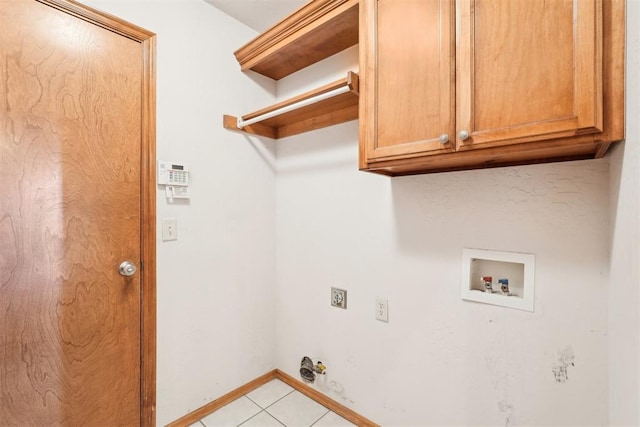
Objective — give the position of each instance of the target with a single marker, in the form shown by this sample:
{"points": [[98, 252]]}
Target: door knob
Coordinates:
{"points": [[463, 134], [444, 138], [127, 268]]}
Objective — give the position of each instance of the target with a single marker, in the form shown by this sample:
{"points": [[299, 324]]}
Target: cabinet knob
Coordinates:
{"points": [[444, 138], [463, 134]]}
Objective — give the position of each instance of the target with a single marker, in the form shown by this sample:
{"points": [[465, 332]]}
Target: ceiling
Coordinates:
{"points": [[257, 14]]}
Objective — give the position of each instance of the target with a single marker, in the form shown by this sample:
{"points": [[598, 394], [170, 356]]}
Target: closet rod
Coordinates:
{"points": [[302, 103]]}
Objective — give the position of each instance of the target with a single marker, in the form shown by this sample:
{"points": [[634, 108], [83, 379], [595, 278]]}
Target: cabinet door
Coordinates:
{"points": [[528, 70], [407, 78]]}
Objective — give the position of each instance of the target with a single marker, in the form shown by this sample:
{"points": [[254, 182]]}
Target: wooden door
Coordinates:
{"points": [[528, 70], [75, 156], [407, 76]]}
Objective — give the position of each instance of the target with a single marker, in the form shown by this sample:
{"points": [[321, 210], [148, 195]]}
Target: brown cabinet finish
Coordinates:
{"points": [[317, 30], [528, 70], [527, 81], [409, 66]]}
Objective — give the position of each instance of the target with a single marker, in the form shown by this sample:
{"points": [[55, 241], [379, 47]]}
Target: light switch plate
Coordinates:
{"points": [[169, 229]]}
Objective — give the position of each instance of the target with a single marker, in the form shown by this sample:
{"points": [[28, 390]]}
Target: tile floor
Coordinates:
{"points": [[273, 404]]}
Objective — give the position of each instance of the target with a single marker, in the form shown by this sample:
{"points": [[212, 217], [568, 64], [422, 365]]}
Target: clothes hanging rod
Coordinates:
{"points": [[302, 103]]}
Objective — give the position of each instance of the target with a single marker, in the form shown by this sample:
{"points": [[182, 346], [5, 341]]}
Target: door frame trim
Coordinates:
{"points": [[147, 39]]}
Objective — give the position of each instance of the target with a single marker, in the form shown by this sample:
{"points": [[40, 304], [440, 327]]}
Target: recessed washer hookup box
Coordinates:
{"points": [[500, 278]]}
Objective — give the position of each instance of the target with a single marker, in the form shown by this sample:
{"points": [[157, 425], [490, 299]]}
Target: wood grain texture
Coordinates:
{"points": [[559, 150], [72, 123], [148, 233], [100, 18], [314, 32], [367, 103], [231, 123], [337, 109], [614, 71], [416, 37], [407, 69], [528, 70], [532, 80]]}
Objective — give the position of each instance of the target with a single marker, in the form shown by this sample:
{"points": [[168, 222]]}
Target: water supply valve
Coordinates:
{"points": [[308, 370], [504, 286], [487, 283]]}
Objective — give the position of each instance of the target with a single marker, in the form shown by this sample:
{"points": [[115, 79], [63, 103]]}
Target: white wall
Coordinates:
{"points": [[216, 283], [441, 360], [624, 296]]}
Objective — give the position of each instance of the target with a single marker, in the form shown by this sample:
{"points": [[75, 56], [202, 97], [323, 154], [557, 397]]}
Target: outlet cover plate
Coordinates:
{"points": [[339, 298], [382, 309]]}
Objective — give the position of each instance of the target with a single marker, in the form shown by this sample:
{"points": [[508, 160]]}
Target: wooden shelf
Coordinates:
{"points": [[337, 109], [317, 30], [314, 32]]}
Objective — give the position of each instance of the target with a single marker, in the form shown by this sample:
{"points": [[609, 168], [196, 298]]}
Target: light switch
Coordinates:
{"points": [[169, 229]]}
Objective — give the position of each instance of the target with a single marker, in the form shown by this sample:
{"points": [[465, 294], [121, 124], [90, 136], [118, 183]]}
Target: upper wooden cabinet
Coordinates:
{"points": [[408, 102], [448, 85]]}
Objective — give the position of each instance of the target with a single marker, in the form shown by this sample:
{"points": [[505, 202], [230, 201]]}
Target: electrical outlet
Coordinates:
{"points": [[338, 298], [382, 309]]}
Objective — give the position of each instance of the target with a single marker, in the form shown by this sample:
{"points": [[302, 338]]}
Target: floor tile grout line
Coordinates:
{"points": [[321, 417], [252, 401], [265, 411], [273, 416], [270, 405], [254, 415], [293, 390], [235, 400]]}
